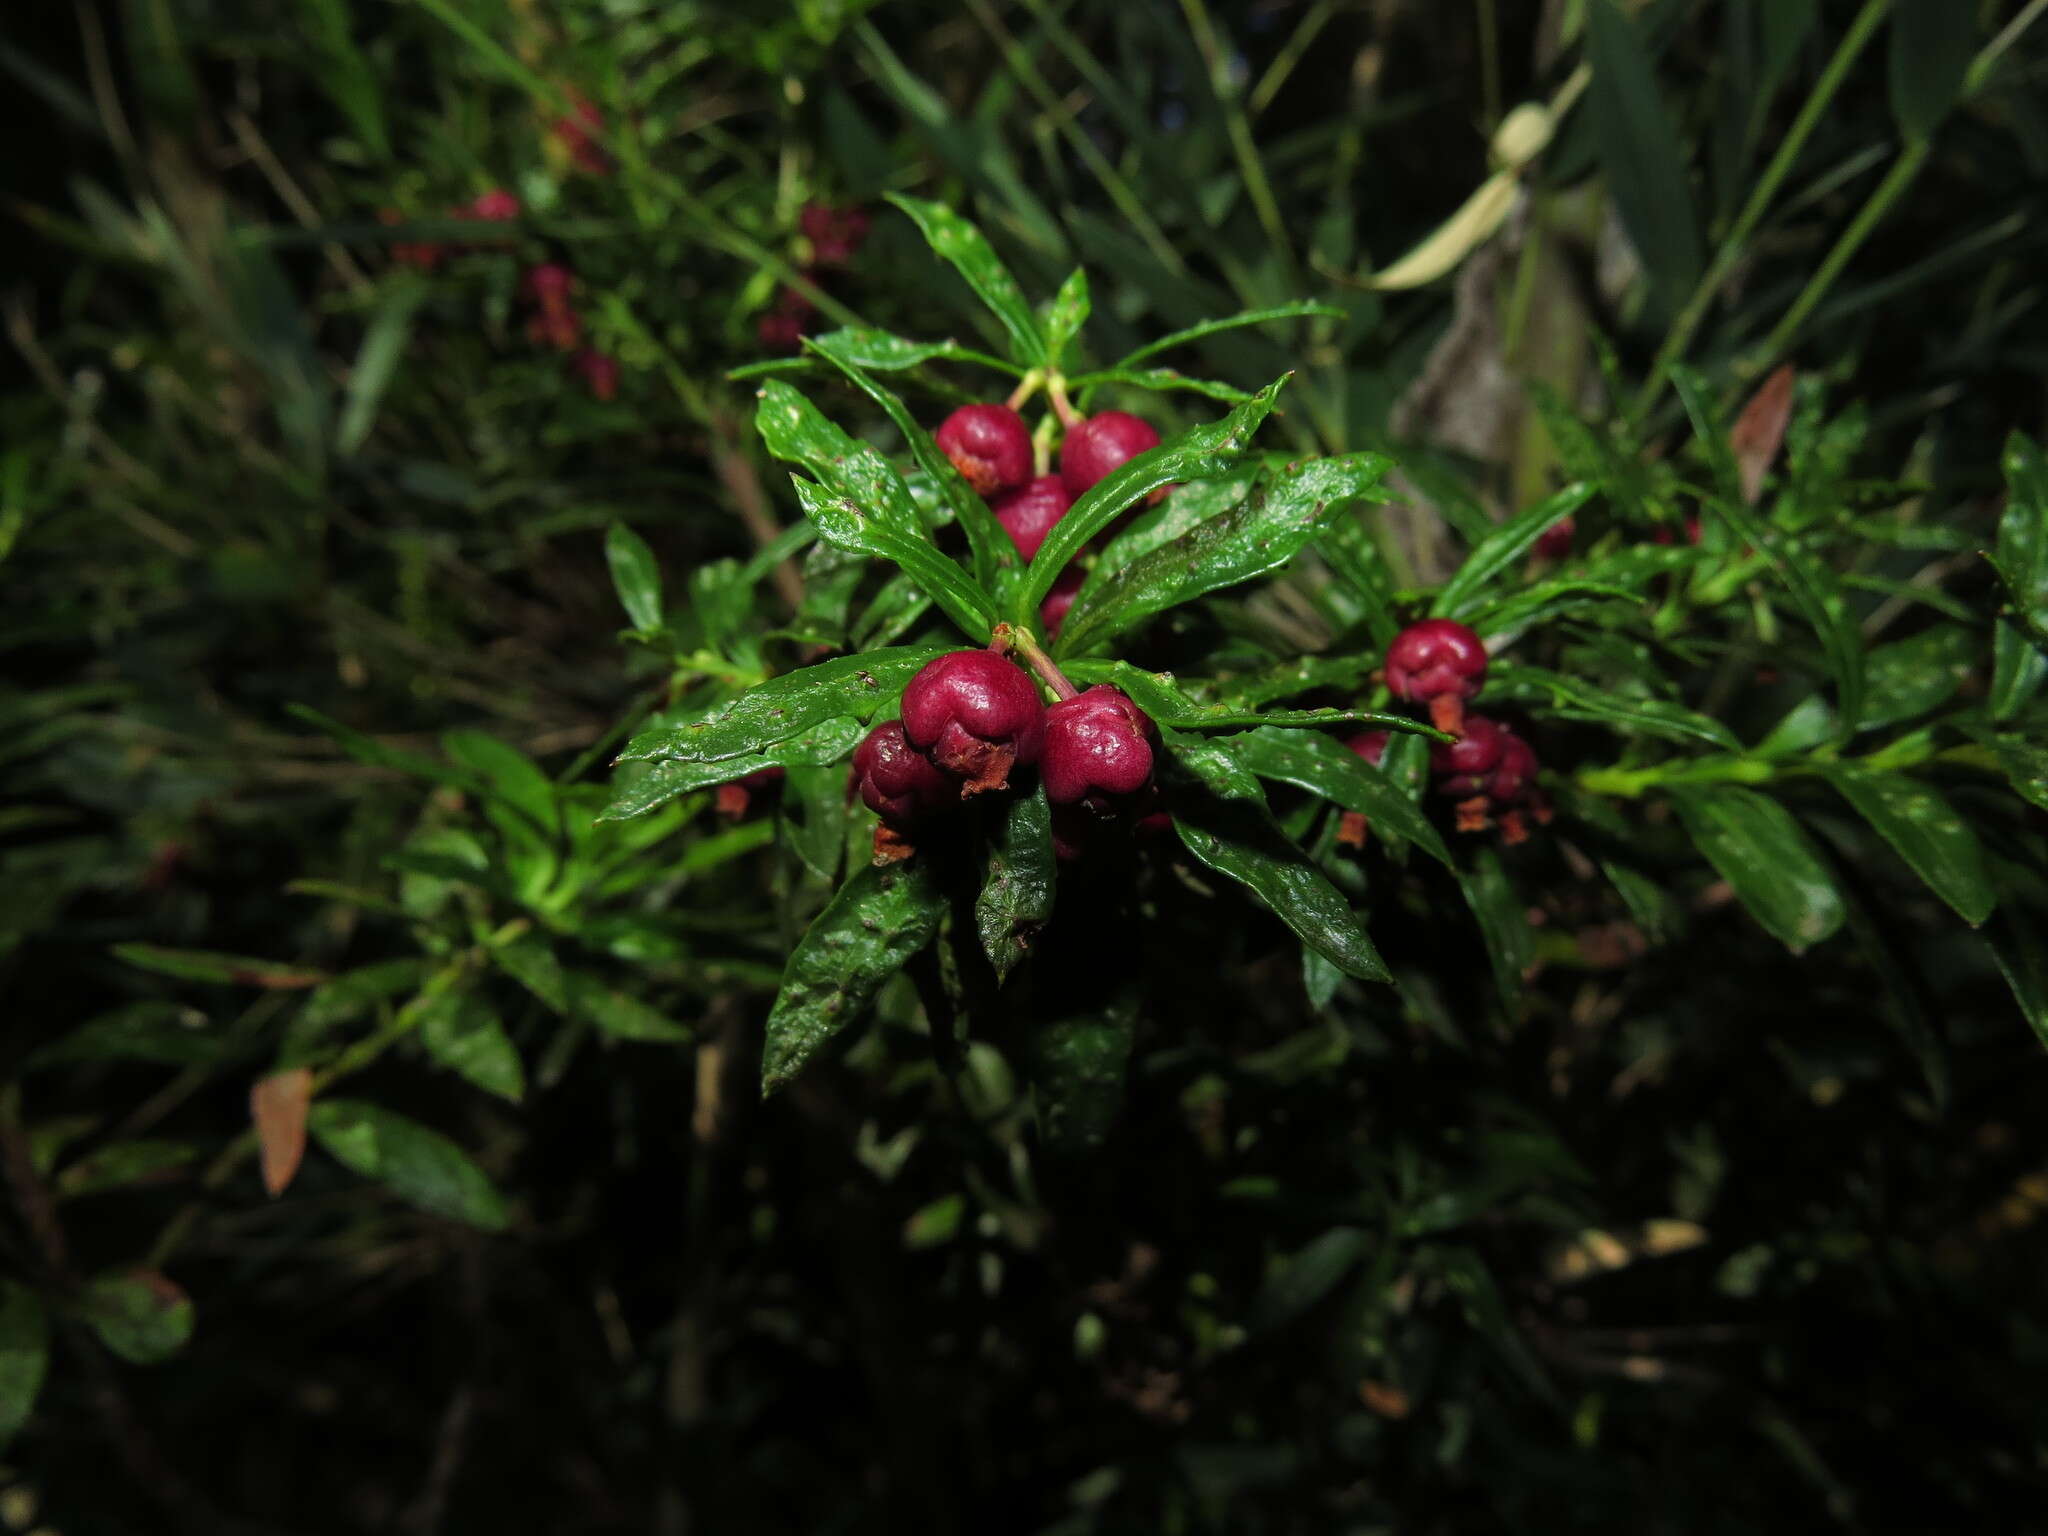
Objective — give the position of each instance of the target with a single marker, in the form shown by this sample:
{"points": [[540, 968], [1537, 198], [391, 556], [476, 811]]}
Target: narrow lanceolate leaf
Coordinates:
{"points": [[1077, 1066], [462, 1033], [1163, 381], [1910, 677], [2018, 664], [1326, 767], [1504, 548], [636, 576], [959, 242], [853, 687], [278, 1104], [420, 1166], [1196, 454], [993, 550], [1241, 841], [1926, 832], [1348, 549], [1815, 590], [205, 965], [878, 351], [377, 360], [530, 960], [1170, 708], [664, 779], [1503, 919], [1016, 899], [509, 774], [1574, 700], [1186, 506], [1068, 314], [1932, 42], [1641, 151], [881, 917], [1299, 310], [1766, 859], [142, 1315], [24, 1355], [843, 520], [2017, 945], [617, 1013], [1259, 535]]}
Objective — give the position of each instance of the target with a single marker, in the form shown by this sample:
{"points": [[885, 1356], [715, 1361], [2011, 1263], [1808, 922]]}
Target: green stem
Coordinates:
{"points": [[1731, 249]]}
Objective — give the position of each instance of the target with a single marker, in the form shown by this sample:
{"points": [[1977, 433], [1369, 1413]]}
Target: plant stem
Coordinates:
{"points": [[1010, 638]]}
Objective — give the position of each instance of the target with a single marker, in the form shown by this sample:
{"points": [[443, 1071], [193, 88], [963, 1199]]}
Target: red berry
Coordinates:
{"points": [[1662, 534], [496, 205], [733, 799], [1098, 749], [1029, 512], [601, 373], [976, 715], [1435, 658], [896, 781], [989, 445], [1556, 540], [1101, 443], [835, 233], [548, 283], [575, 130], [1066, 586], [1462, 766], [1515, 774], [1370, 745]]}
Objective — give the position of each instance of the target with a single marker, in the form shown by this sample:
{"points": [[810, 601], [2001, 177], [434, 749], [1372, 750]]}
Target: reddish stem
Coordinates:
{"points": [[1008, 638]]}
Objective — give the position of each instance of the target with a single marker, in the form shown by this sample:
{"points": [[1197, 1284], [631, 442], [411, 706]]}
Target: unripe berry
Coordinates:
{"points": [[1462, 766], [1101, 443], [1066, 586], [896, 781], [976, 715], [1098, 749], [989, 445], [1029, 512], [1440, 663]]}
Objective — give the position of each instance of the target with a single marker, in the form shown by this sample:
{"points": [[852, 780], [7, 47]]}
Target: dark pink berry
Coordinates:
{"points": [[896, 781], [1662, 534], [1515, 774], [601, 374], [1370, 745], [548, 283], [735, 798], [1555, 541], [1098, 749], [835, 233], [976, 715], [575, 132], [496, 206], [989, 445], [784, 327], [1101, 443], [1439, 663], [1462, 766], [1029, 512], [1066, 586]]}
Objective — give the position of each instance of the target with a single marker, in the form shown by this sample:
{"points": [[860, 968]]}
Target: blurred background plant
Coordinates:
{"points": [[348, 331]]}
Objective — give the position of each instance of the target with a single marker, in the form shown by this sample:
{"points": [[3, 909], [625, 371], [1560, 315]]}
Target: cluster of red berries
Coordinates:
{"points": [[971, 719], [833, 237], [496, 206], [555, 323], [1488, 770], [991, 447]]}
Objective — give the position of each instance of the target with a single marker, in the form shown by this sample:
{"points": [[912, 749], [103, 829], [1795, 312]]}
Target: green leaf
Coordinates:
{"points": [[1932, 42], [959, 242], [165, 1033], [1184, 507], [1016, 898], [2016, 943], [1306, 1277], [1503, 549], [1910, 677], [635, 575], [616, 1013], [24, 1356], [1160, 381], [1503, 919], [1299, 310], [377, 360], [206, 965], [2026, 766], [1546, 600], [1240, 840], [814, 816], [1642, 153], [1574, 700], [509, 774], [530, 960], [1348, 549], [663, 780], [463, 1034], [1926, 832], [120, 1164], [995, 552], [1078, 1063], [1326, 767], [346, 74], [1171, 709], [1761, 852], [1196, 454], [140, 1314], [1261, 534], [365, 749], [878, 351], [882, 916], [851, 687], [420, 1166], [2018, 665], [1068, 314]]}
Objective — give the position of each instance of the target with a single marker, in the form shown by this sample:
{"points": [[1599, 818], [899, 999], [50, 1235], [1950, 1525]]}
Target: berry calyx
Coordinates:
{"points": [[1099, 444], [1030, 512], [1440, 663], [989, 445], [1066, 586], [977, 716], [1098, 750], [899, 784]]}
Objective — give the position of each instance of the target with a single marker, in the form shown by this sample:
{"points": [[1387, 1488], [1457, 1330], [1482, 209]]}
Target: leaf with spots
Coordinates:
{"points": [[1016, 900], [868, 931], [1925, 830], [1766, 859], [959, 242]]}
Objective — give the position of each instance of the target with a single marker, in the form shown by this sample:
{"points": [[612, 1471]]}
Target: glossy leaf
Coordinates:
{"points": [[664, 779], [1504, 548], [1766, 859], [1184, 507], [1016, 897], [879, 352], [814, 815], [842, 520], [1326, 767], [1162, 698], [2018, 665], [420, 1166], [1924, 829], [463, 1034], [1195, 454], [1909, 677], [1641, 151], [960, 243], [1162, 381], [1574, 700], [1348, 549], [165, 1033], [1241, 841], [879, 918], [142, 1315], [1931, 45], [635, 575], [1069, 313], [1260, 535], [852, 687], [24, 1355], [1503, 919]]}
